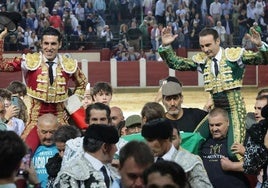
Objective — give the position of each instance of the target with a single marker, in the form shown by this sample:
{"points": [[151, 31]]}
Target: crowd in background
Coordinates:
{"points": [[124, 26]]}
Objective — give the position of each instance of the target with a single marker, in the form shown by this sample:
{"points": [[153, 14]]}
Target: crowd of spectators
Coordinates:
{"points": [[88, 24]]}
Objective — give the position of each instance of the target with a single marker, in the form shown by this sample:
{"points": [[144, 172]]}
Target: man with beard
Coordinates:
{"points": [[47, 124], [183, 119]]}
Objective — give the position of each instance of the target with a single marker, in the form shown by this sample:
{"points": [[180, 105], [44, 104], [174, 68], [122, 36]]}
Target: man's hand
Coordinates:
{"points": [[11, 111], [238, 148], [167, 36], [228, 165], [255, 37], [3, 34]]}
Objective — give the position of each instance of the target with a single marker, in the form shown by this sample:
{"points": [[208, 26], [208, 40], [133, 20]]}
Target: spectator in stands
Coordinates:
{"points": [[134, 35], [215, 10], [170, 14], [67, 22], [246, 42], [80, 15], [160, 12], [221, 31], [229, 28], [99, 24], [145, 35], [114, 9], [186, 33], [42, 9], [251, 12], [155, 37], [43, 23], [100, 7], [89, 8], [148, 5], [194, 35], [91, 34], [33, 42], [226, 7], [259, 8], [55, 20], [243, 24], [151, 55], [107, 34], [132, 55], [235, 14]]}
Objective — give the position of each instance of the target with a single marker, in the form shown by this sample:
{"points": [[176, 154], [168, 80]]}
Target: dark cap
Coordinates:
{"points": [[171, 88], [133, 120], [157, 129], [9, 20], [105, 133]]}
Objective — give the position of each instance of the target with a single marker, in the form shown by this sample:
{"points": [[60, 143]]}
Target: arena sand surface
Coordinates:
{"points": [[131, 100]]}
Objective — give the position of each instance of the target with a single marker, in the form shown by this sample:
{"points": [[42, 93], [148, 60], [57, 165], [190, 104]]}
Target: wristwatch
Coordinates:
{"points": [[6, 121]]}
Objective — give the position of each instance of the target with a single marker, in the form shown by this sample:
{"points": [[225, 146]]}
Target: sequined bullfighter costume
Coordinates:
{"points": [[225, 87], [44, 97]]}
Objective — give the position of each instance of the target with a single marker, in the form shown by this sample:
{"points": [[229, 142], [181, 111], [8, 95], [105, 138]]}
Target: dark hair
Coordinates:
{"points": [[262, 97], [102, 86], [152, 110], [97, 106], [140, 151], [174, 170], [173, 79], [209, 31], [262, 91], [52, 31], [66, 132], [12, 151], [6, 94], [92, 145], [17, 87]]}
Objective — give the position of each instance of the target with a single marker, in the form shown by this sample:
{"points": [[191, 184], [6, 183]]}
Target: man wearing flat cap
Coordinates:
{"points": [[133, 124], [91, 168], [158, 135], [184, 119]]}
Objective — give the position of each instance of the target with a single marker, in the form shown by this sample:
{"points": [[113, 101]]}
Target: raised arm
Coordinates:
{"points": [[167, 36], [7, 64]]}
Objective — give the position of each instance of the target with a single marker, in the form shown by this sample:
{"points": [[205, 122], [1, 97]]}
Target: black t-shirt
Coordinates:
{"points": [[190, 119], [211, 153]]}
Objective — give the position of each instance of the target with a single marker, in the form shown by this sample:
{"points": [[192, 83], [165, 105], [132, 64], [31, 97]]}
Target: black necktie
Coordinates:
{"points": [[159, 159], [106, 177], [216, 66], [50, 71]]}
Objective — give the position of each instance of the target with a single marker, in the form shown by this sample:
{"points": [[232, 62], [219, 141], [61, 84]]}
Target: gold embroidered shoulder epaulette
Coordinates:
{"points": [[69, 65], [199, 58], [32, 61], [233, 54]]}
